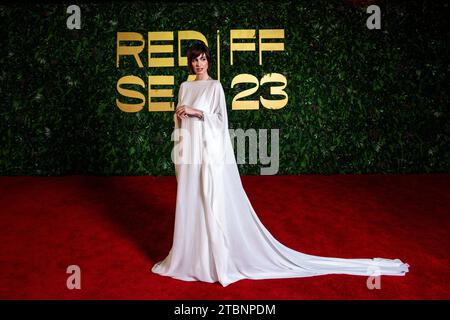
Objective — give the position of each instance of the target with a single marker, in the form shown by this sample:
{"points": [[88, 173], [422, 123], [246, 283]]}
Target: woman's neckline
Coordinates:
{"points": [[209, 79]]}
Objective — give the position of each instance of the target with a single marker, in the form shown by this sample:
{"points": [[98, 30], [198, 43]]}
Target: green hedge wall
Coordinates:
{"points": [[360, 100]]}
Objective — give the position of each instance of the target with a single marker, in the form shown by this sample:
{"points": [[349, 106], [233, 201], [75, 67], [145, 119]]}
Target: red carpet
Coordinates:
{"points": [[116, 228]]}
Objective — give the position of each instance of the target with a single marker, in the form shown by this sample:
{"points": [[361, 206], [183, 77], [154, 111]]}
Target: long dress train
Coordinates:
{"points": [[217, 235]]}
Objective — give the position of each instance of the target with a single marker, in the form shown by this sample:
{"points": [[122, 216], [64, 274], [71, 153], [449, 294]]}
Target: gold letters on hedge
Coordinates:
{"points": [[130, 46]]}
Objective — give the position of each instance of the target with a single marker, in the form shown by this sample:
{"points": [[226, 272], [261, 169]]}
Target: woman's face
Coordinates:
{"points": [[200, 65]]}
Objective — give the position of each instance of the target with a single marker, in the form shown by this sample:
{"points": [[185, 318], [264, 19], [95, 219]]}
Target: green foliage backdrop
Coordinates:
{"points": [[360, 100]]}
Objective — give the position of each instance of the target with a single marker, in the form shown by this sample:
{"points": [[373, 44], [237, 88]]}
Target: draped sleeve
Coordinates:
{"points": [[177, 153], [177, 122], [217, 117], [215, 128]]}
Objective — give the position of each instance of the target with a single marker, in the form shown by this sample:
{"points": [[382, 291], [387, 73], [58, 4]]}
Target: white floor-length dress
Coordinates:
{"points": [[217, 235]]}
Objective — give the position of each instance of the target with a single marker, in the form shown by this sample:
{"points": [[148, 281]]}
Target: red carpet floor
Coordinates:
{"points": [[116, 228]]}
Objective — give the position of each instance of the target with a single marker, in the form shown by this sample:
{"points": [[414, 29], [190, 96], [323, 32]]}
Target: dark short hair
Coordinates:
{"points": [[194, 51]]}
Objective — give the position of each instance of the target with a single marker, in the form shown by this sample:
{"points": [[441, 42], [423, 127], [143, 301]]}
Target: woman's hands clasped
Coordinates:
{"points": [[184, 112]]}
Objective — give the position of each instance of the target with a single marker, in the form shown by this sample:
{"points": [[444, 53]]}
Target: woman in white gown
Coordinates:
{"points": [[217, 234]]}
